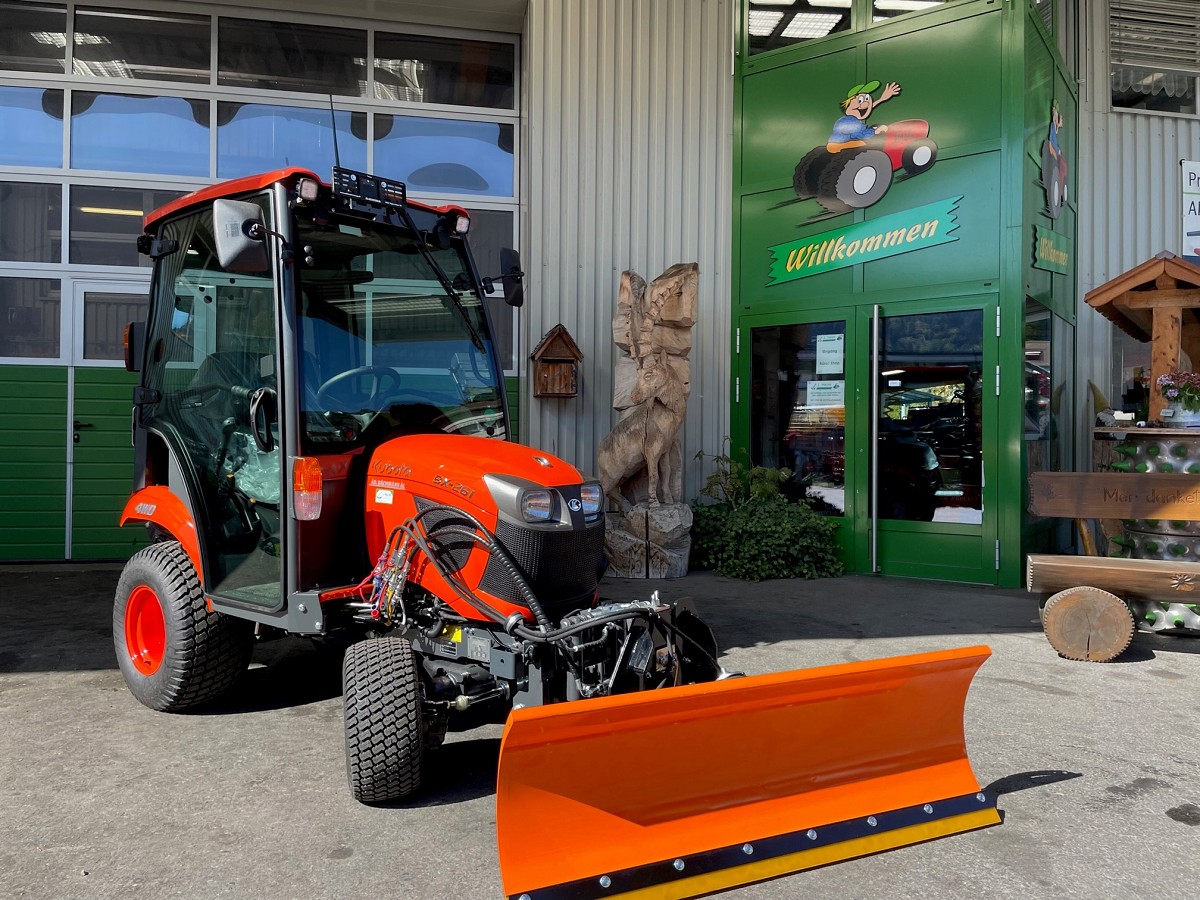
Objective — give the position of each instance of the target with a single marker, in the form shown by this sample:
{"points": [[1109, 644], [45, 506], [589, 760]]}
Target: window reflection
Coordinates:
{"points": [[32, 126], [125, 44], [798, 409], [33, 37], [930, 418], [885, 10], [139, 133], [423, 69], [286, 56], [772, 24], [29, 317], [105, 315], [252, 138], [445, 155], [105, 223], [30, 222]]}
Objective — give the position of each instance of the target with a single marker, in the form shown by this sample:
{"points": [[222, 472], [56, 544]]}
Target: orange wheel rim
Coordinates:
{"points": [[145, 630]]}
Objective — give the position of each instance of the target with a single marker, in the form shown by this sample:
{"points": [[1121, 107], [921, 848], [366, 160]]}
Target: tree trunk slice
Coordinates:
{"points": [[1088, 624]]}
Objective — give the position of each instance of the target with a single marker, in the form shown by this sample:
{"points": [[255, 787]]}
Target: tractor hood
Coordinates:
{"points": [[527, 498]]}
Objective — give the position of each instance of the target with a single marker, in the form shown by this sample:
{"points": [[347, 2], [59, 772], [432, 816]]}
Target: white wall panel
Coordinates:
{"points": [[627, 165], [1129, 190]]}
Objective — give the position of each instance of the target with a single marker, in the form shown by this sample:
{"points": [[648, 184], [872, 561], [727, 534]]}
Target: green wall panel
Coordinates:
{"points": [[33, 462], [792, 109], [950, 76], [974, 254]]}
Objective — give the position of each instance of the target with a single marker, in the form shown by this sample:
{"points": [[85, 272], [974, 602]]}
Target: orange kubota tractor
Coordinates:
{"points": [[320, 438]]}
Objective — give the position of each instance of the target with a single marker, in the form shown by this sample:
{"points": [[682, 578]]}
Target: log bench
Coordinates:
{"points": [[1095, 603]]}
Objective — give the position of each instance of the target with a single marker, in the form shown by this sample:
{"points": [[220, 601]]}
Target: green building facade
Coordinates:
{"points": [[903, 296]]}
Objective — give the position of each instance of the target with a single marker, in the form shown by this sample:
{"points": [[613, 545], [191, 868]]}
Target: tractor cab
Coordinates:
{"points": [[294, 326]]}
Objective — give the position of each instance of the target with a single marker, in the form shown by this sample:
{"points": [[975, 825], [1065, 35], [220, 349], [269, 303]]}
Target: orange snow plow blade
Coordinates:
{"points": [[690, 790]]}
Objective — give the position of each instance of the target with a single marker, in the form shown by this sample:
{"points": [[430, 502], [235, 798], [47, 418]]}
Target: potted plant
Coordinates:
{"points": [[1182, 391]]}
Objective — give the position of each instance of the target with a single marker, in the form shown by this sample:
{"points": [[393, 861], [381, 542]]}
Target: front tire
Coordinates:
{"points": [[383, 720], [173, 652], [919, 156]]}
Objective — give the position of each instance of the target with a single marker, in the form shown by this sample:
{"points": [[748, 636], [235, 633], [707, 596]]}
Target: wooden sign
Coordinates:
{"points": [[1115, 495]]}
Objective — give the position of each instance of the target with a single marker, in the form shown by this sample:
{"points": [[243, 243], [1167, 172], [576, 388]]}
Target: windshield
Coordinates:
{"points": [[383, 347]]}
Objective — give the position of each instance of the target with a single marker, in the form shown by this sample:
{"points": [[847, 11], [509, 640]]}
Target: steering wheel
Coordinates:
{"points": [[345, 391]]}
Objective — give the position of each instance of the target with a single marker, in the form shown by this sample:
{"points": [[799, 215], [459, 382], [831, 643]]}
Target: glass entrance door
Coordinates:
{"points": [[886, 418], [933, 387]]}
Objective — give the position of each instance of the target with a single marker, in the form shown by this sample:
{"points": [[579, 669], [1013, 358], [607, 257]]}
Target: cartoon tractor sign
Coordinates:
{"points": [[1054, 165], [854, 168]]}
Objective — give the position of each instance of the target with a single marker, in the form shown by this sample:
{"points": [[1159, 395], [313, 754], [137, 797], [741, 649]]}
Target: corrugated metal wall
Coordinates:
{"points": [[1129, 190], [626, 164]]}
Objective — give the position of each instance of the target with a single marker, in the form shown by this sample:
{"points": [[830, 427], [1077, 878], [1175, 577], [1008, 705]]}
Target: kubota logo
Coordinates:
{"points": [[574, 505], [398, 470]]}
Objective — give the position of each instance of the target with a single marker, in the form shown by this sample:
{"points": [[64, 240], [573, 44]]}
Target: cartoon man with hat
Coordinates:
{"points": [[851, 130]]}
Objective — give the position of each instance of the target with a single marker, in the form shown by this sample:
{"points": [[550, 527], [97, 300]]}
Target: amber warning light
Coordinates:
{"points": [[306, 488]]}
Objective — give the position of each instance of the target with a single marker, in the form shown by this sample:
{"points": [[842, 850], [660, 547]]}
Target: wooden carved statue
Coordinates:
{"points": [[641, 460]]}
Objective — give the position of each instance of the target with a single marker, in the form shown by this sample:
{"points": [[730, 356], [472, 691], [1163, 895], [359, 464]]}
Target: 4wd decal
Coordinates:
{"points": [[854, 168]]}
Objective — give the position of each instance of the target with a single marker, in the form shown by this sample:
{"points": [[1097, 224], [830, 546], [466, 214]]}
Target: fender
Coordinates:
{"points": [[159, 505]]}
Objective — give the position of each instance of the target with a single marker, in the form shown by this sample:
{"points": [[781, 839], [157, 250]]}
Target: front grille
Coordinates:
{"points": [[452, 550], [562, 566]]}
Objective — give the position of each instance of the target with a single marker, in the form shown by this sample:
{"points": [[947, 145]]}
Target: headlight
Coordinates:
{"points": [[592, 497], [536, 506]]}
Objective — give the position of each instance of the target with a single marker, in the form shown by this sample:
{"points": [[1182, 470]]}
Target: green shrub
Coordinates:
{"points": [[748, 530]]}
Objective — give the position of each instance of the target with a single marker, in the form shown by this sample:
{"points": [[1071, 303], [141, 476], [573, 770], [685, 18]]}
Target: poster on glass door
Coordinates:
{"points": [[1191, 210]]}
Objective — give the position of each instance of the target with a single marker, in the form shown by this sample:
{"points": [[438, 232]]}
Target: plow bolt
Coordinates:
{"points": [[982, 798], [605, 881], [748, 849], [678, 864], [928, 809], [812, 835], [872, 821]]}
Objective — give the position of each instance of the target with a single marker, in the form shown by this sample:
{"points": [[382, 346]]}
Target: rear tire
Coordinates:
{"points": [[383, 720], [808, 172], [173, 652], [855, 180]]}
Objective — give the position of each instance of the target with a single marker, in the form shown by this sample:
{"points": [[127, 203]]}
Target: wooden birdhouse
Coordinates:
{"points": [[556, 365]]}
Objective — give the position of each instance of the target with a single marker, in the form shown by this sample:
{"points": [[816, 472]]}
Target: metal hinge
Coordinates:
{"points": [[997, 381], [997, 321], [997, 556], [737, 389], [737, 341]]}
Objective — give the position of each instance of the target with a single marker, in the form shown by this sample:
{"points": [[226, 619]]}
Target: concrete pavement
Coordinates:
{"points": [[1095, 765]]}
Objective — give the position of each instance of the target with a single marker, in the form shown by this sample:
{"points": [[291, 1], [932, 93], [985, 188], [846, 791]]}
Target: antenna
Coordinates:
{"points": [[337, 159]]}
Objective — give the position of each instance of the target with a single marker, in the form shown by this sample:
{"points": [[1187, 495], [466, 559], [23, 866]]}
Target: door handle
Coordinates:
{"points": [[79, 424]]}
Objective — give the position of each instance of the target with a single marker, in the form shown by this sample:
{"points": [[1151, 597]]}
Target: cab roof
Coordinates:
{"points": [[251, 183]]}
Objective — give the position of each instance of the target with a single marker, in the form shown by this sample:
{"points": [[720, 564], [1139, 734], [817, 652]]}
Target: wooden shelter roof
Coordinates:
{"points": [[1129, 300]]}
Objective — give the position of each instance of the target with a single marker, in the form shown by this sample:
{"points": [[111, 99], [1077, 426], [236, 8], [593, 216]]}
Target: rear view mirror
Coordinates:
{"points": [[514, 287], [238, 228]]}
